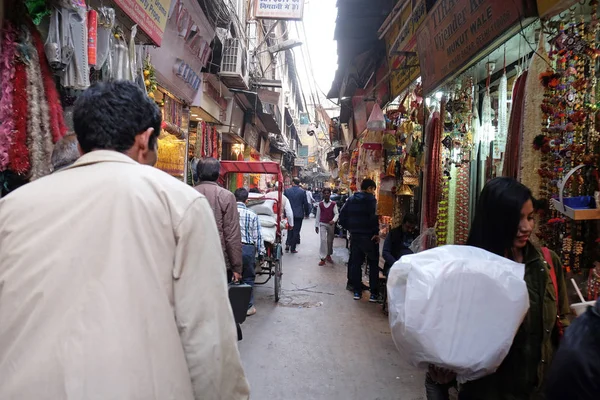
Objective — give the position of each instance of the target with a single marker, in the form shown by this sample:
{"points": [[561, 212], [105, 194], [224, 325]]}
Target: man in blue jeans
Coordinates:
{"points": [[252, 242], [359, 216]]}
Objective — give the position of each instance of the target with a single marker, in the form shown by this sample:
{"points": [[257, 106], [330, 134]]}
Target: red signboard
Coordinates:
{"points": [[151, 16], [456, 31]]}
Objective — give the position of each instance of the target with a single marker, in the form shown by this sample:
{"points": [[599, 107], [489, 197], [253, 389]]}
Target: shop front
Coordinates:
{"points": [[45, 70], [517, 99], [173, 79]]}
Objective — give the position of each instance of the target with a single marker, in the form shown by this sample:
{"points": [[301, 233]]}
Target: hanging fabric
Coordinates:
{"points": [[433, 178], [513, 139], [533, 120]]}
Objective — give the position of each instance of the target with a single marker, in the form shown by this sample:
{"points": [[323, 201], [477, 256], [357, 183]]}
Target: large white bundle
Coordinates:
{"points": [[456, 307]]}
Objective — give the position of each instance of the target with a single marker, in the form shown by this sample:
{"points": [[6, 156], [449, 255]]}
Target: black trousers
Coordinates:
{"points": [[362, 246], [294, 235]]}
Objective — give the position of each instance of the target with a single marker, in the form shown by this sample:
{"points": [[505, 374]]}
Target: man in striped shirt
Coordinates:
{"points": [[252, 242]]}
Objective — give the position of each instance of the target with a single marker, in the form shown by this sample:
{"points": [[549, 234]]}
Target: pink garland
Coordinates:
{"points": [[7, 123]]}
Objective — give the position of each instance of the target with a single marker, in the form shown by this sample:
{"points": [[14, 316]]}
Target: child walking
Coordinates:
{"points": [[325, 220]]}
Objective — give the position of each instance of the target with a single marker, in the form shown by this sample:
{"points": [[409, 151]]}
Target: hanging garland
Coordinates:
{"points": [[7, 77]]}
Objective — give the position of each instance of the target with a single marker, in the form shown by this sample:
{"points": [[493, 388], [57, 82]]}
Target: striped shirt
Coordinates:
{"points": [[250, 228]]}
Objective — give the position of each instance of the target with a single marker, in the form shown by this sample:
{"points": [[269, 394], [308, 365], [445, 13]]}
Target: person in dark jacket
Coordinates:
{"points": [[503, 223], [359, 216], [297, 198], [575, 372], [398, 241]]}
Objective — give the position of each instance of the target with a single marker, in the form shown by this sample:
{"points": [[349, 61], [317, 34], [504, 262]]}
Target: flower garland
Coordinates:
{"points": [[19, 153], [38, 123], [8, 40]]}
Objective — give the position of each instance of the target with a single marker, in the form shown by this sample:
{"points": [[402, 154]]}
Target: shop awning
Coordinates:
{"points": [[251, 102], [249, 167], [356, 33]]}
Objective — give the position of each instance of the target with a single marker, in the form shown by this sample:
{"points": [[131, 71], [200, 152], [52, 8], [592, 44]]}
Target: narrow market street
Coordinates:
{"points": [[318, 343]]}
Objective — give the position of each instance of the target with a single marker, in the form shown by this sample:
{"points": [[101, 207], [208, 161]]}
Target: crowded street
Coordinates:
{"points": [[317, 343], [299, 200]]}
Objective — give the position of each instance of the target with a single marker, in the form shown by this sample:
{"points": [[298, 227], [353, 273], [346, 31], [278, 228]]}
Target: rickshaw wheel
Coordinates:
{"points": [[277, 263]]}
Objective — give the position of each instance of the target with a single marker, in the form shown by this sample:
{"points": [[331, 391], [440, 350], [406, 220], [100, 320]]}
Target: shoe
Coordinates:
{"points": [[321, 263], [287, 249], [329, 260], [251, 311], [294, 251], [374, 298], [357, 295]]}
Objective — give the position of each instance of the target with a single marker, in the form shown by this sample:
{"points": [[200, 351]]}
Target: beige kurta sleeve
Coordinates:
{"points": [[202, 310]]}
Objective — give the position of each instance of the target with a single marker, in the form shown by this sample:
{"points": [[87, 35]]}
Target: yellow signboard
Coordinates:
{"points": [[401, 46]]}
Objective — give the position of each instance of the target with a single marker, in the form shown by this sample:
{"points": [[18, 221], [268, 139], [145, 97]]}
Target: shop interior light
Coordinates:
{"points": [[194, 115], [439, 95]]}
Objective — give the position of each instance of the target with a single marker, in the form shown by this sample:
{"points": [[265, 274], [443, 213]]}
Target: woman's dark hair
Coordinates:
{"points": [[497, 215], [109, 115]]}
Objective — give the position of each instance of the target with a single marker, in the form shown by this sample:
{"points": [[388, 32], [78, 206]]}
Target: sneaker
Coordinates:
{"points": [[329, 260], [294, 251], [357, 295], [374, 298], [251, 311], [321, 263]]}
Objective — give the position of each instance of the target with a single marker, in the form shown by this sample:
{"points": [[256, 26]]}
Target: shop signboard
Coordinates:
{"points": [[401, 43], [179, 61], [301, 162], [150, 15], [302, 151], [457, 33], [279, 9]]}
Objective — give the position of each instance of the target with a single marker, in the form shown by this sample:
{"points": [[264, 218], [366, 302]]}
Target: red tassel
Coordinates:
{"points": [[19, 153]]}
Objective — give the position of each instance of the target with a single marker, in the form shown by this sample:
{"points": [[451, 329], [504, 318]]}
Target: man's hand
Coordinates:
{"points": [[441, 376], [375, 238], [331, 222], [316, 229], [237, 277]]}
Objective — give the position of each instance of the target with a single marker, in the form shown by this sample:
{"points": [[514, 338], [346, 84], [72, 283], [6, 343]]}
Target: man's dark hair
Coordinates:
{"points": [[208, 169], [326, 190], [367, 183], [254, 190], [410, 218], [109, 115], [296, 181], [241, 195]]}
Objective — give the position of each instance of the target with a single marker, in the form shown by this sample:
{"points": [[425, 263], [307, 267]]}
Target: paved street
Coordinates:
{"points": [[318, 343]]}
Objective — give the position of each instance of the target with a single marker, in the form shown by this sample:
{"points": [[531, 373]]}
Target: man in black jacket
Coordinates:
{"points": [[359, 216], [575, 371], [398, 241]]}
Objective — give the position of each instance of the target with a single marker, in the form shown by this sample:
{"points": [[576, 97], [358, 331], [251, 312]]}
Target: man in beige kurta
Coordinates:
{"points": [[111, 273]]}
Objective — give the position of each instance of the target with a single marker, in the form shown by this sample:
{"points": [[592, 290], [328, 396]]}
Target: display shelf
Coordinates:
{"points": [[577, 214]]}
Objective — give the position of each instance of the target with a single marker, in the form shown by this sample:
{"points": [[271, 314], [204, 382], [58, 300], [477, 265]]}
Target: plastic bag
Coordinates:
{"points": [[457, 307], [376, 120], [426, 240]]}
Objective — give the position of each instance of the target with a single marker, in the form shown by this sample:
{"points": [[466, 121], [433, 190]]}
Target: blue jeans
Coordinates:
{"points": [[249, 266], [362, 246]]}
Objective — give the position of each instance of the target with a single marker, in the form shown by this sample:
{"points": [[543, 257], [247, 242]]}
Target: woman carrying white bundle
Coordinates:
{"points": [[503, 224]]}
